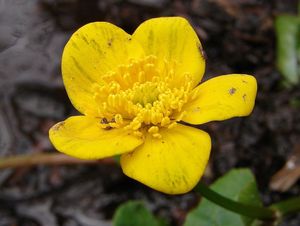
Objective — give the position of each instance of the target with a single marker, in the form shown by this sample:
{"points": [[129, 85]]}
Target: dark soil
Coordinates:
{"points": [[238, 37]]}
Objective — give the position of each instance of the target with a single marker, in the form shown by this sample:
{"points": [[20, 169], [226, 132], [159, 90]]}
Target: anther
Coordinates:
{"points": [[156, 135], [165, 121], [172, 125], [119, 119], [153, 129], [138, 134]]}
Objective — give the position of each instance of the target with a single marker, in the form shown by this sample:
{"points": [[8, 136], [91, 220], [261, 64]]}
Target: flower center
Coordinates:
{"points": [[146, 93], [143, 95]]}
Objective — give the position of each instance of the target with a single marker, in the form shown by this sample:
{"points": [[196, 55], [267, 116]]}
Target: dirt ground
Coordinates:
{"points": [[237, 36]]}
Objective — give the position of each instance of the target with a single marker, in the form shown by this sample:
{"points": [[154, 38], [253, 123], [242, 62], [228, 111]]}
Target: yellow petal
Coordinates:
{"points": [[173, 38], [82, 137], [91, 52], [221, 98], [172, 164]]}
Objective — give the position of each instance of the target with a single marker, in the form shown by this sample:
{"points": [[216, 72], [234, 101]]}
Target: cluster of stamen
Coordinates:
{"points": [[142, 96]]}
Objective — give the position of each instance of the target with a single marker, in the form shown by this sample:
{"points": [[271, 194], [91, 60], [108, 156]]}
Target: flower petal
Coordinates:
{"points": [[222, 98], [172, 164], [173, 38], [91, 52], [82, 137]]}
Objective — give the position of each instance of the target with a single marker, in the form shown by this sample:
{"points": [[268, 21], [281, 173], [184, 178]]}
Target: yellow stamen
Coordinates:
{"points": [[153, 129], [139, 94]]}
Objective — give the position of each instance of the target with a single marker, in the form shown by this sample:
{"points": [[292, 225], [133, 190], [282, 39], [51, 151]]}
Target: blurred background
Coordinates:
{"points": [[238, 36]]}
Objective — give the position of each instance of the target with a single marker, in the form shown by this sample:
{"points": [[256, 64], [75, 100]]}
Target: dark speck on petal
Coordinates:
{"points": [[203, 54], [232, 91], [109, 42]]}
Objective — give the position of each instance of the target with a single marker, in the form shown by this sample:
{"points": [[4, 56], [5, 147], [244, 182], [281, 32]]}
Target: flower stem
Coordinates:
{"points": [[287, 206], [45, 159], [257, 212]]}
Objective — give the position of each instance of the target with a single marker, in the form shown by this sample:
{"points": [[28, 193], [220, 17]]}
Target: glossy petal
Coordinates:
{"points": [[173, 38], [91, 52], [82, 137], [172, 164], [221, 98]]}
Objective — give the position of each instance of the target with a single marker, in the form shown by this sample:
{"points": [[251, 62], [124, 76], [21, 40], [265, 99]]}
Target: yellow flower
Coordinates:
{"points": [[133, 92]]}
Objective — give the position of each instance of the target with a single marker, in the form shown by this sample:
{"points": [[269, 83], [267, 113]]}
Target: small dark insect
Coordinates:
{"points": [[104, 121]]}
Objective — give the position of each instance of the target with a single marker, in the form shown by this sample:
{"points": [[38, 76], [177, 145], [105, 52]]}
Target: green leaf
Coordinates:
{"points": [[288, 48], [238, 185], [134, 213]]}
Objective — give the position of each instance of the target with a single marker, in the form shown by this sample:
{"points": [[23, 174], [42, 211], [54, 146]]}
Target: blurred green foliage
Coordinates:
{"points": [[134, 213], [288, 48]]}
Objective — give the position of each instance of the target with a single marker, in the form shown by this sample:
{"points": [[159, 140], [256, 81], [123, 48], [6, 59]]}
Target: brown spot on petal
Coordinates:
{"points": [[109, 42], [203, 54], [197, 109], [85, 39], [232, 91], [58, 126]]}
